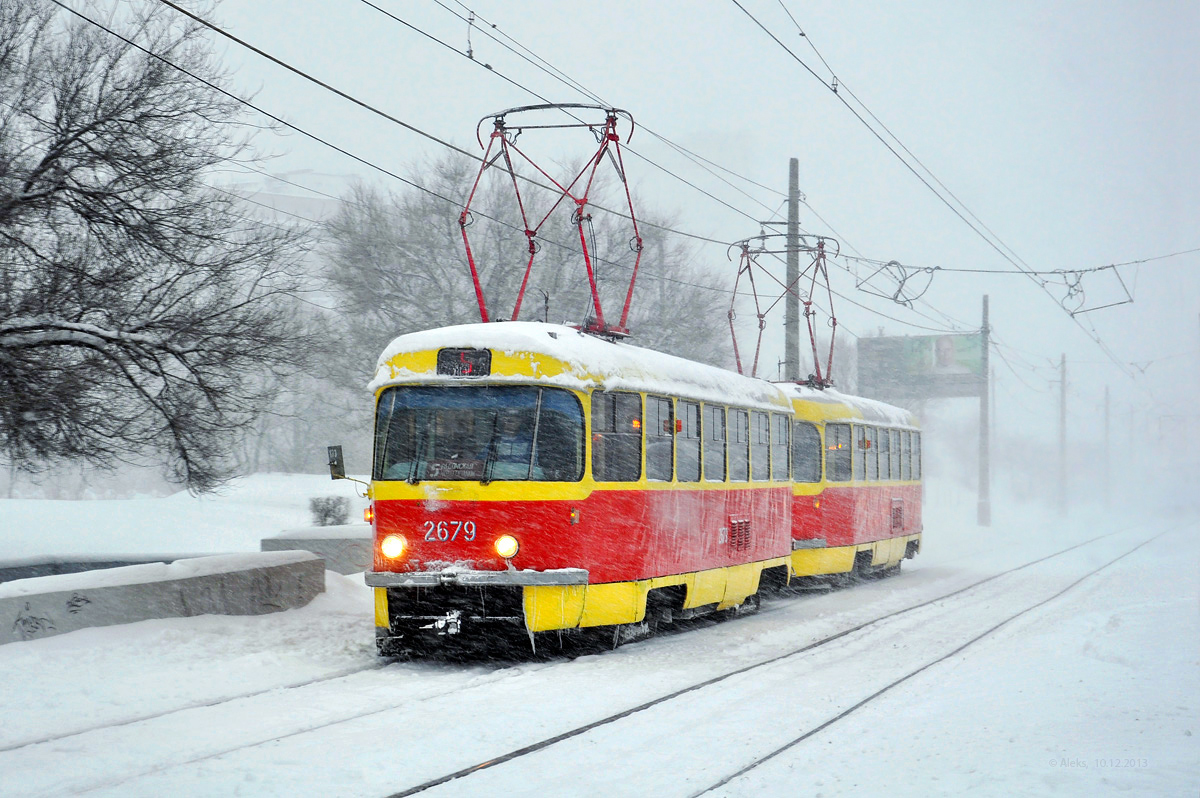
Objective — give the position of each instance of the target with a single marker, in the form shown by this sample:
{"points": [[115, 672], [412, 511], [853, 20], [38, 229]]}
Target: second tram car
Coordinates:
{"points": [[530, 478]]}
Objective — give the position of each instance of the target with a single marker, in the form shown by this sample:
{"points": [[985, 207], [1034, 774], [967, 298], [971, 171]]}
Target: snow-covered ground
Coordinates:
{"points": [[1095, 692], [232, 520]]}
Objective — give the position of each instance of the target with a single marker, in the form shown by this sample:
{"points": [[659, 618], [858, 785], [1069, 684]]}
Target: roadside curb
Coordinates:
{"points": [[228, 584]]}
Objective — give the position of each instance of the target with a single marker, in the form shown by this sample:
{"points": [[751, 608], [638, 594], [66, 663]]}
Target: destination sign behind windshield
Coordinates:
{"points": [[464, 362]]}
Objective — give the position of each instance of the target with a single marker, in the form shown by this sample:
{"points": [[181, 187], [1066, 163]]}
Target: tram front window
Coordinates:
{"points": [[480, 433]]}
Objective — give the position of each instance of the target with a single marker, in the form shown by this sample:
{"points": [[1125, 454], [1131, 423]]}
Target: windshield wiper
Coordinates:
{"points": [[492, 447], [537, 421], [415, 467]]}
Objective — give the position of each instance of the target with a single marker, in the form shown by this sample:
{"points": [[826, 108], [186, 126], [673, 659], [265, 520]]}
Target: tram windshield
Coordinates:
{"points": [[481, 433]]}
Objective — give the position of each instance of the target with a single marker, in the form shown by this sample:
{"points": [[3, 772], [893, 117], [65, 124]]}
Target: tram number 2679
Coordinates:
{"points": [[449, 530]]}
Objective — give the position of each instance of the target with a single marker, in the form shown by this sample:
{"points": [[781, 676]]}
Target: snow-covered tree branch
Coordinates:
{"points": [[142, 316]]}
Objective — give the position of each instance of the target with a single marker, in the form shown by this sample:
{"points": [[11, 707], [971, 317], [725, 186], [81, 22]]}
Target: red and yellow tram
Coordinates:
{"points": [[856, 482], [534, 478]]}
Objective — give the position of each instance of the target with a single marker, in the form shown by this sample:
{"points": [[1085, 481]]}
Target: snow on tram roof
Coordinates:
{"points": [[868, 409], [589, 362]]}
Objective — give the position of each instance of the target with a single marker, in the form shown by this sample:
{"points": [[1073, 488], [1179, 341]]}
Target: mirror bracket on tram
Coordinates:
{"points": [[337, 469]]}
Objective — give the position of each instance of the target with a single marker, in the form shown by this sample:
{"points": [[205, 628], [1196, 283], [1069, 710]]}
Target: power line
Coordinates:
{"points": [[567, 80], [322, 141], [998, 245], [544, 99], [545, 66], [384, 115], [835, 86], [375, 166], [953, 322], [273, 209], [876, 312], [1157, 257]]}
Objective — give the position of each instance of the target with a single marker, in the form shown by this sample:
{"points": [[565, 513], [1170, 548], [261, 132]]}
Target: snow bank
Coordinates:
{"points": [[240, 584], [233, 519], [151, 572]]}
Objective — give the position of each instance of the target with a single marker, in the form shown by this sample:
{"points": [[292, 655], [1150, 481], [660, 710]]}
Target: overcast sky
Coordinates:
{"points": [[1071, 129]]}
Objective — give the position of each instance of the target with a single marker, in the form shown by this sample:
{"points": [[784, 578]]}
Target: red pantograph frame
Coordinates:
{"points": [[817, 270], [503, 141]]}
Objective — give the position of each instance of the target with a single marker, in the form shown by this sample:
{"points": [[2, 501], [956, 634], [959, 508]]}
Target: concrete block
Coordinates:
{"points": [[346, 548], [29, 567], [235, 584]]}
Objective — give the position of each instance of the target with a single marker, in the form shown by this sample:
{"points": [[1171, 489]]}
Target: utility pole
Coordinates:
{"points": [[992, 407], [1107, 456], [791, 316], [985, 497], [1062, 435]]}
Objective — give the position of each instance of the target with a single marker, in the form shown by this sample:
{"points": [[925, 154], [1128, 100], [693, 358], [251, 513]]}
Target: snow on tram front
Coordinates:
{"points": [[529, 478]]}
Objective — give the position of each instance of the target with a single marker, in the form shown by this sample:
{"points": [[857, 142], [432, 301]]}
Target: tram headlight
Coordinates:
{"points": [[393, 546], [507, 546]]}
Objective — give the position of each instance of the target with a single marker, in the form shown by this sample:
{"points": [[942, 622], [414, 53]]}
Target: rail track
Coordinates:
{"points": [[82, 782], [543, 744]]}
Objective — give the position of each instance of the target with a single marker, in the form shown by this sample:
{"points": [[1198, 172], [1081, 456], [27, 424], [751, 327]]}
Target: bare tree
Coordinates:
{"points": [[397, 264], [142, 317]]}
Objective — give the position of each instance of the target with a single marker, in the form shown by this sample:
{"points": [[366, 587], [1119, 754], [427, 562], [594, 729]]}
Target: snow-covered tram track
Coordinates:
{"points": [[363, 715], [586, 729], [762, 760], [99, 749], [344, 673]]}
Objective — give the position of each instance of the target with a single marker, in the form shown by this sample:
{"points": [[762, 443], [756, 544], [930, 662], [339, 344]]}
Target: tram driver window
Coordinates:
{"points": [[837, 452], [482, 433], [660, 438], [616, 437]]}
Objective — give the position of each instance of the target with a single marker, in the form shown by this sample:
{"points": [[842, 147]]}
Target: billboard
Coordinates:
{"points": [[912, 368]]}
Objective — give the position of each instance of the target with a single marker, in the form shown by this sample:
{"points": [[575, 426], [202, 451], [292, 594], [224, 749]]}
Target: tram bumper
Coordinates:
{"points": [[419, 607], [558, 576]]}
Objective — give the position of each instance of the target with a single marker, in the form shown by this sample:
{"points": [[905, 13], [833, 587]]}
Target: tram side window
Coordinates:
{"points": [[714, 443], [806, 452], [660, 438], [895, 454], [883, 446], [779, 448], [837, 452], [916, 455], [558, 450], [871, 453], [616, 437], [906, 455], [860, 448], [739, 446], [760, 446], [687, 444]]}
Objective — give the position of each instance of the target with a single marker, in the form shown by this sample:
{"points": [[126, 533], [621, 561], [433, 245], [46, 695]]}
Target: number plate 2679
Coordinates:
{"points": [[449, 530]]}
